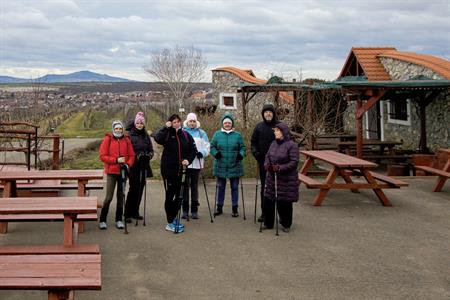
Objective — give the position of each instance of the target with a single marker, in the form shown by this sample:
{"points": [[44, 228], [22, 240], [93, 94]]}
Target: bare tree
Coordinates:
{"points": [[179, 68]]}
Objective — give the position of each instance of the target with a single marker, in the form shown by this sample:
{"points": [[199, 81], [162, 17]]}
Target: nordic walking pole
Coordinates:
{"points": [[140, 185], [206, 192], [124, 178], [180, 199], [243, 203], [217, 187], [145, 194], [276, 202], [256, 192], [263, 203]]}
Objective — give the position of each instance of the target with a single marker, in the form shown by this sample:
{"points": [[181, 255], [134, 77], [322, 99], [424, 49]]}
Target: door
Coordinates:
{"points": [[374, 122]]}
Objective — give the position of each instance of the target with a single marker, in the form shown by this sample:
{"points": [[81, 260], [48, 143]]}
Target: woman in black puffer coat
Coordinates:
{"points": [[282, 158], [143, 149]]}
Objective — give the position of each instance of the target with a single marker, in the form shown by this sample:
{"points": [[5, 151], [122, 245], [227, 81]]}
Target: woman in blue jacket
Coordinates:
{"points": [[192, 126]]}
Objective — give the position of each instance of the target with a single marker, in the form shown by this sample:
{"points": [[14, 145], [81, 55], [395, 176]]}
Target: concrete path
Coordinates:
{"points": [[350, 248]]}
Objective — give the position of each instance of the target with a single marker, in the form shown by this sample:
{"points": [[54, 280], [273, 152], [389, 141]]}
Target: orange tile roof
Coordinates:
{"points": [[248, 76], [367, 59], [438, 65]]}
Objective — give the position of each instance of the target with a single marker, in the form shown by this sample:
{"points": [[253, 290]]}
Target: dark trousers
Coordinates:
{"points": [[221, 184], [134, 196], [172, 203], [284, 209], [192, 184], [111, 181], [262, 176]]}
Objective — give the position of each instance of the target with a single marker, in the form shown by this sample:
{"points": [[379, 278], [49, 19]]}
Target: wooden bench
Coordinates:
{"points": [[50, 249], [395, 183], [443, 176], [40, 188], [311, 183], [60, 274]]}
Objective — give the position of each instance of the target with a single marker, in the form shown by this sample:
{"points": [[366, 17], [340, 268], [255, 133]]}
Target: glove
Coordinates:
{"points": [[199, 155], [276, 168], [218, 155], [239, 157]]}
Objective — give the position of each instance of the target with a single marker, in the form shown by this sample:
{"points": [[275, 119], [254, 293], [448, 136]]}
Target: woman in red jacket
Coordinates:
{"points": [[116, 151]]}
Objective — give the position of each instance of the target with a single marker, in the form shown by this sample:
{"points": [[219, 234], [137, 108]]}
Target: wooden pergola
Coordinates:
{"points": [[368, 93]]}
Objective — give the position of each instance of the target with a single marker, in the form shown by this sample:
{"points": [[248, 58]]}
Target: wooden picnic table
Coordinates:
{"points": [[443, 174], [9, 178], [345, 166], [70, 207], [347, 147]]}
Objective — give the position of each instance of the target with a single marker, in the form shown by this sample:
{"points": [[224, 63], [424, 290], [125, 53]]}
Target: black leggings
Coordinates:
{"points": [[284, 212], [172, 203], [192, 184]]}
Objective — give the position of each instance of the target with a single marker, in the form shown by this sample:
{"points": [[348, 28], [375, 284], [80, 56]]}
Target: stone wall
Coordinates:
{"points": [[437, 112], [225, 82]]}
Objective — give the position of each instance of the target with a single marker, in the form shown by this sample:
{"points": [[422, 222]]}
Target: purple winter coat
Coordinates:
{"points": [[285, 154]]}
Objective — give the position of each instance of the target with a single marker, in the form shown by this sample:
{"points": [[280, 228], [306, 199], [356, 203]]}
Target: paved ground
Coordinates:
{"points": [[350, 248]]}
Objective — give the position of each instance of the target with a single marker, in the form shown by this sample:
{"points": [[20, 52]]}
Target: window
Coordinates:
{"points": [[228, 101], [399, 111]]}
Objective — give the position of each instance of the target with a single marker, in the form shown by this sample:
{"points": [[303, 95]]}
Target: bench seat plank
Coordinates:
{"points": [[388, 179], [50, 249], [310, 182], [434, 171], [44, 217], [45, 272]]}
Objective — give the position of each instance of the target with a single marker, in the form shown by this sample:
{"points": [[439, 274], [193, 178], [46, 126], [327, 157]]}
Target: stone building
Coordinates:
{"points": [[225, 85], [398, 119]]}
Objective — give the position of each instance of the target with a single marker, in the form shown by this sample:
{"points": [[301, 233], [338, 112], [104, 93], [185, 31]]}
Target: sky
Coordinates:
{"points": [[292, 39]]}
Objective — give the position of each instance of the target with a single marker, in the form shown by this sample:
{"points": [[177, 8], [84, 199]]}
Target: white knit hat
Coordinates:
{"points": [[191, 116]]}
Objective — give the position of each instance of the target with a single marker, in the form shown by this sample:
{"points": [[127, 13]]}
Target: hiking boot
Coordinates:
{"points": [[218, 211], [235, 213], [194, 215], [119, 225], [102, 225], [261, 218], [185, 215]]}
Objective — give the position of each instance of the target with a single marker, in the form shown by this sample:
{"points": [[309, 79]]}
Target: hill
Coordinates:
{"points": [[82, 76]]}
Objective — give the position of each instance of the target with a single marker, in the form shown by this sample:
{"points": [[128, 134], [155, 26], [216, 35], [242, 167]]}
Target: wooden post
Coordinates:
{"points": [[56, 150], [359, 129]]}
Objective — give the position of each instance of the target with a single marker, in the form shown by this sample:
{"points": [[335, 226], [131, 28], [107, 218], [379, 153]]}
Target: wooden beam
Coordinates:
{"points": [[369, 103]]}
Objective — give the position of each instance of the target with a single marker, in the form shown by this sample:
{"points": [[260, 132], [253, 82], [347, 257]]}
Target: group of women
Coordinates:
{"points": [[185, 147]]}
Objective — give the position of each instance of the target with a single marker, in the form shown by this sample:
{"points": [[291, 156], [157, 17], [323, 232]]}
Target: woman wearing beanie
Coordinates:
{"points": [[143, 149], [116, 152], [282, 158], [192, 126], [227, 146], [179, 152]]}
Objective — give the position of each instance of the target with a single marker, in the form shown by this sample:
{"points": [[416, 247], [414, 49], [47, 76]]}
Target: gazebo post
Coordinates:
{"points": [[359, 129]]}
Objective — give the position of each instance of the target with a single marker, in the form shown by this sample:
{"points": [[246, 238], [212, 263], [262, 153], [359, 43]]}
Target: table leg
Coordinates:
{"points": [[81, 193], [380, 194], [8, 191], [347, 179], [58, 294], [68, 229], [308, 163], [441, 179], [323, 191]]}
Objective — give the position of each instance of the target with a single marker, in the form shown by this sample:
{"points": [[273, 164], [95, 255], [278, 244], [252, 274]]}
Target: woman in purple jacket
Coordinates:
{"points": [[282, 158]]}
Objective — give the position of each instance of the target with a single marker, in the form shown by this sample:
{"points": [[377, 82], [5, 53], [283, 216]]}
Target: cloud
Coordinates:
{"points": [[267, 36]]}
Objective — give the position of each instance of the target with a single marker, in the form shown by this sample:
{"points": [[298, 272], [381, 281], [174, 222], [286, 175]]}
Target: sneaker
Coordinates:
{"points": [[102, 225], [185, 215], [195, 215], [180, 225], [119, 225], [171, 227], [218, 211]]}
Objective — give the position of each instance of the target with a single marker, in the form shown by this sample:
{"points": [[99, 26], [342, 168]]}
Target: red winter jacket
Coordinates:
{"points": [[112, 148]]}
